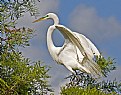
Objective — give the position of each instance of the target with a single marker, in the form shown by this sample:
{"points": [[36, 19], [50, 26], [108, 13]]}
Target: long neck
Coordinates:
{"points": [[56, 20], [51, 30], [50, 43], [52, 49]]}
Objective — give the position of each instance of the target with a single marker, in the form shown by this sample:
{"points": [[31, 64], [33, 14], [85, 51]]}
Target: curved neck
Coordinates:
{"points": [[50, 43], [55, 19], [52, 49]]}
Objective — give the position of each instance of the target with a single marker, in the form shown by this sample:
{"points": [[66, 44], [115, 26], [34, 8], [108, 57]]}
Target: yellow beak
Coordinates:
{"points": [[40, 19]]}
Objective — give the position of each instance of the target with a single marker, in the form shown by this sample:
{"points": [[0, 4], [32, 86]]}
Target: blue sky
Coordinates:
{"points": [[104, 9], [100, 21]]}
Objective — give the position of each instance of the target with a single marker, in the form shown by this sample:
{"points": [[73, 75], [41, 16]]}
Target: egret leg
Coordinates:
{"points": [[74, 73], [77, 77], [70, 69]]}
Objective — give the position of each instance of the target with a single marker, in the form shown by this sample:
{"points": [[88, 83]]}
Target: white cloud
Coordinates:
{"points": [[43, 7], [85, 19], [46, 6]]}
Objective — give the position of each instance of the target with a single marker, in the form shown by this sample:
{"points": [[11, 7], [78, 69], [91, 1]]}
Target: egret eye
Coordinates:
{"points": [[47, 16]]}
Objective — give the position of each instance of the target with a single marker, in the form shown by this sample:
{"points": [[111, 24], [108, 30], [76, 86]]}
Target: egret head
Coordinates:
{"points": [[49, 16]]}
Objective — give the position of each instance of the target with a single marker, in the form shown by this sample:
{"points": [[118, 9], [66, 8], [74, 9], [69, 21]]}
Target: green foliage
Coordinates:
{"points": [[106, 65], [17, 8], [76, 90], [18, 37], [19, 75], [85, 84]]}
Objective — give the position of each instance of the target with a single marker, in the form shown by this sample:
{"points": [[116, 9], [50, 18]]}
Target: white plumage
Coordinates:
{"points": [[78, 52]]}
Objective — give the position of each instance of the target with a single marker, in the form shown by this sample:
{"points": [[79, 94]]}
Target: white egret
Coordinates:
{"points": [[77, 52]]}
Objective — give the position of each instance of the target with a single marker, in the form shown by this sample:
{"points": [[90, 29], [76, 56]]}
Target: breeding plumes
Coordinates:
{"points": [[77, 52]]}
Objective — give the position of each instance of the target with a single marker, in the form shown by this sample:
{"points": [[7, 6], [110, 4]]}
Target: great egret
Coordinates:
{"points": [[78, 52]]}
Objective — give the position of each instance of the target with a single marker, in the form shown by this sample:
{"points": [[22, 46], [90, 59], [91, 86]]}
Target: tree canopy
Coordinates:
{"points": [[19, 75]]}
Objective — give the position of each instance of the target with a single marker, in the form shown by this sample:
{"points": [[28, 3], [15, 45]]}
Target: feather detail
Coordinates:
{"points": [[88, 61]]}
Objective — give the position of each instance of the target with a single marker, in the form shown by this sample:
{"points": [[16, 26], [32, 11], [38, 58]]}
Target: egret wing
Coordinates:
{"points": [[69, 35], [87, 60], [87, 43]]}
